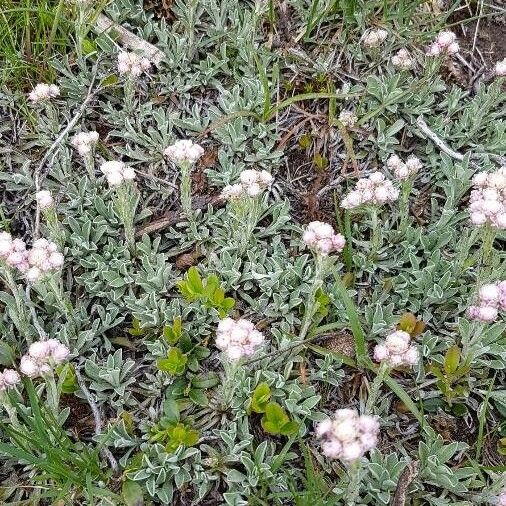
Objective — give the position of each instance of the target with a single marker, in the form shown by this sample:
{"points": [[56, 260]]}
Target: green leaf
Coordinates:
{"points": [[7, 356], [289, 428], [198, 396], [276, 415], [260, 398], [172, 333], [110, 80], [194, 280], [452, 359], [191, 437], [174, 364], [132, 494], [171, 409]]}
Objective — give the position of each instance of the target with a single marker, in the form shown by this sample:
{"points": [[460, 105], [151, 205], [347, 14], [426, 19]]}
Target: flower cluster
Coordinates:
{"points": [[13, 252], [402, 60], [252, 183], [500, 68], [322, 239], [44, 199], [501, 499], [488, 199], [348, 119], [43, 92], [42, 258], [184, 151], [238, 339], [404, 170], [348, 436], [396, 351], [117, 172], [8, 378], [445, 43], [84, 142], [132, 64], [491, 300], [41, 356], [374, 189], [374, 38]]}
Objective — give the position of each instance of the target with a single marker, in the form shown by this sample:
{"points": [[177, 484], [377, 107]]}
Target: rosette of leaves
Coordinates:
{"points": [[275, 419], [208, 291]]}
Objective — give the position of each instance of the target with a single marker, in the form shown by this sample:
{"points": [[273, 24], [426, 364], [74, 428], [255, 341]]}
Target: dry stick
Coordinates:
{"points": [[129, 39], [97, 418], [437, 141], [55, 145]]}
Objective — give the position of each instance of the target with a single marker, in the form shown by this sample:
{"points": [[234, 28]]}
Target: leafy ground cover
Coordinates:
{"points": [[332, 238]]}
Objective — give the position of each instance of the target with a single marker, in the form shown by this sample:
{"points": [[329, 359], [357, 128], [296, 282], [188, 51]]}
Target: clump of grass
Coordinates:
{"points": [[31, 33]]}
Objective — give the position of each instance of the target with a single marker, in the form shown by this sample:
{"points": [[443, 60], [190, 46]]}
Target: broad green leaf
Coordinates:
{"points": [[132, 493], [174, 364], [452, 359], [260, 398]]}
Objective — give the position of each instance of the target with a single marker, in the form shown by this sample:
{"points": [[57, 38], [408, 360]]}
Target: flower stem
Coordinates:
{"points": [[375, 387], [230, 384], [375, 233], [352, 491], [186, 191], [311, 303], [126, 213], [404, 206], [21, 319]]}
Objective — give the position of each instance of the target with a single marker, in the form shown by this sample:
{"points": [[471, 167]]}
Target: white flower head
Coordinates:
{"points": [[85, 142], [348, 436], [117, 172], [251, 184], [500, 68], [184, 151], [372, 190], [397, 350], [43, 92], [348, 119], [44, 199], [374, 37]]}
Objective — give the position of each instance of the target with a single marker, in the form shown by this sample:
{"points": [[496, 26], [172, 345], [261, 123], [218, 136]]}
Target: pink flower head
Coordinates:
{"points": [[348, 436], [501, 499], [322, 239], [132, 64], [402, 60], [487, 203], [8, 379], [42, 258], [238, 338], [491, 300], [41, 357], [445, 43]]}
